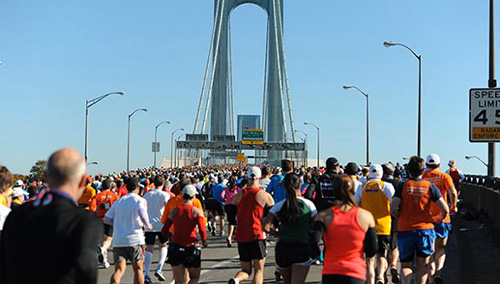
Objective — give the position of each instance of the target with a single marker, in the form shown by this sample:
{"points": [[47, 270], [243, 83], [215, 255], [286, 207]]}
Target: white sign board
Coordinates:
{"points": [[484, 115]]}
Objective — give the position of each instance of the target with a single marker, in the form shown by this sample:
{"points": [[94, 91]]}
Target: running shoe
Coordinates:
{"points": [[147, 280], [380, 281], [222, 233], [213, 233], [160, 276], [394, 275], [229, 242], [106, 264], [233, 281], [437, 278], [278, 276], [100, 255]]}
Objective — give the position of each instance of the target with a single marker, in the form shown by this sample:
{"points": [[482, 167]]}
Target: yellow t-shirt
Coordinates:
{"points": [[376, 197], [86, 198]]}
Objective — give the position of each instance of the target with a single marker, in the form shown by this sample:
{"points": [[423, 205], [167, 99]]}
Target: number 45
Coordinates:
{"points": [[481, 116]]}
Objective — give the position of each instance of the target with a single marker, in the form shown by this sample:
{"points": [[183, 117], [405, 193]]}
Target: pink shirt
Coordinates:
{"points": [[231, 194]]}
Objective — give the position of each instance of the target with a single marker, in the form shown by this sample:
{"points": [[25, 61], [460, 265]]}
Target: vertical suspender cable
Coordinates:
{"points": [[200, 104], [279, 68], [230, 82], [266, 80], [210, 90], [290, 109]]}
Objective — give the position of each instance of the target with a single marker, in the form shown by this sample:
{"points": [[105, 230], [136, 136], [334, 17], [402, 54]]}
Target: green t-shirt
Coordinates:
{"points": [[298, 232]]}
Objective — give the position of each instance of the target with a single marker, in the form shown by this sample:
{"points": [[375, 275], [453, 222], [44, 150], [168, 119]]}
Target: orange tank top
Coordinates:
{"points": [[344, 244]]}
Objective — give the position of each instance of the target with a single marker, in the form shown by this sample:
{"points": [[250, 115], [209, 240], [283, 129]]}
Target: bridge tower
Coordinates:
{"points": [[216, 101]]}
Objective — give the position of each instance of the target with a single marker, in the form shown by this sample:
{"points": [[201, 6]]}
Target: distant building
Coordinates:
{"points": [[247, 122]]}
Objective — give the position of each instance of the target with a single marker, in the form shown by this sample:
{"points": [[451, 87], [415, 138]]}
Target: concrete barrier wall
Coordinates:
{"points": [[483, 198]]}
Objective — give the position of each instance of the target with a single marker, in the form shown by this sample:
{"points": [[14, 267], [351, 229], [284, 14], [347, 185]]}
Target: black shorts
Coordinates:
{"points": [[384, 243], [339, 279], [288, 253], [190, 257], [394, 240], [252, 250], [108, 230], [218, 209], [231, 211], [151, 238]]}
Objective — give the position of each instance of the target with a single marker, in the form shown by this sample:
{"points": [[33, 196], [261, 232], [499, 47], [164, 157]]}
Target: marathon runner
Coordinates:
{"points": [[250, 236], [456, 175], [276, 187], [100, 205], [389, 170], [412, 205], [445, 185], [375, 197], [128, 215], [156, 199]]}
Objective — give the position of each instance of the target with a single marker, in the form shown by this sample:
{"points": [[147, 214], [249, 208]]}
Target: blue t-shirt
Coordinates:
{"points": [[217, 192], [277, 188]]}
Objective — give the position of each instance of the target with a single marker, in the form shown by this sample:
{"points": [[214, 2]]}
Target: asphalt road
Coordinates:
{"points": [[219, 264]]}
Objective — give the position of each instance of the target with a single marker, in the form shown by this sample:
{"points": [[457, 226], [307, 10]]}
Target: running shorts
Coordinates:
{"points": [[442, 230], [133, 254], [108, 230], [288, 253], [340, 279], [421, 241], [189, 257], [384, 243], [252, 250], [218, 209], [151, 238], [231, 212]]}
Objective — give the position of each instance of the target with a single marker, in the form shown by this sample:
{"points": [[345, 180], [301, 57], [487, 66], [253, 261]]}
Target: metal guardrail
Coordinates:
{"points": [[486, 181]]}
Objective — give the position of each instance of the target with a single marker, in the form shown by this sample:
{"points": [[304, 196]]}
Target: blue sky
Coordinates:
{"points": [[58, 53]]}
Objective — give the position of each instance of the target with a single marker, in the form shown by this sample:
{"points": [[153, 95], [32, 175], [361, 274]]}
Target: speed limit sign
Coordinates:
{"points": [[484, 115]]}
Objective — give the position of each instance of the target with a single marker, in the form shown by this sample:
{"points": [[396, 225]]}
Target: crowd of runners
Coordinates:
{"points": [[355, 221]]}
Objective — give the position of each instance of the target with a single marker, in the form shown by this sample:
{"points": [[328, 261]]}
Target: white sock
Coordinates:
{"points": [[148, 259], [162, 258]]}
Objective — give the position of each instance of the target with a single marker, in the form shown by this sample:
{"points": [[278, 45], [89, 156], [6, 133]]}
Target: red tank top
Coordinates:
{"points": [[250, 214], [344, 243], [185, 226]]}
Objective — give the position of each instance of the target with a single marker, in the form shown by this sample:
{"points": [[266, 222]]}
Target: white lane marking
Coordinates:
{"points": [[220, 264]]}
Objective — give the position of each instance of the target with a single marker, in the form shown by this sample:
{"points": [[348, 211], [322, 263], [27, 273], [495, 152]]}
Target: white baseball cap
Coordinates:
{"points": [[18, 191], [254, 173], [189, 190], [19, 183], [433, 159], [376, 171]]}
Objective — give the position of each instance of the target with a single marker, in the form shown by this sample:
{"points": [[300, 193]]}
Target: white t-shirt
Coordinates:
{"points": [[156, 205], [127, 221], [357, 185], [4, 211], [264, 183]]}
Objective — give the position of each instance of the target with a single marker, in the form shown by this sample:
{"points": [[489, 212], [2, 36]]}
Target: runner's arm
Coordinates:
{"points": [[452, 192], [268, 225], [143, 215], [438, 199], [396, 200]]}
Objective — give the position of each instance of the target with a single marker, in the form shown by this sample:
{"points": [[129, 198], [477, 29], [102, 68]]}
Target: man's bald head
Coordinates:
{"points": [[65, 167]]}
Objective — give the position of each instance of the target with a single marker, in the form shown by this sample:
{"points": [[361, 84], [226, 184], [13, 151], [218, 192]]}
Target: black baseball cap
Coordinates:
{"points": [[351, 168], [331, 163]]}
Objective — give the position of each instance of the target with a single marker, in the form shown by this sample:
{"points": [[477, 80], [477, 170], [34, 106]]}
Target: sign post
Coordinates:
{"points": [[484, 115]]}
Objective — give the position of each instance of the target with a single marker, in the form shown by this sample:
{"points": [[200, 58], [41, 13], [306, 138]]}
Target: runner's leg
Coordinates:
{"points": [[370, 269], [286, 273], [422, 269], [120, 267], [162, 256], [299, 273], [178, 272], [258, 276], [148, 259], [406, 272], [245, 272], [194, 275], [138, 267], [381, 265]]}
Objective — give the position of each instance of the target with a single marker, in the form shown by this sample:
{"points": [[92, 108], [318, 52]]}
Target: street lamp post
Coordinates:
{"points": [[367, 121], [317, 128], [88, 104], [128, 136], [172, 146], [476, 157], [419, 57], [156, 139], [176, 152], [492, 83]]}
